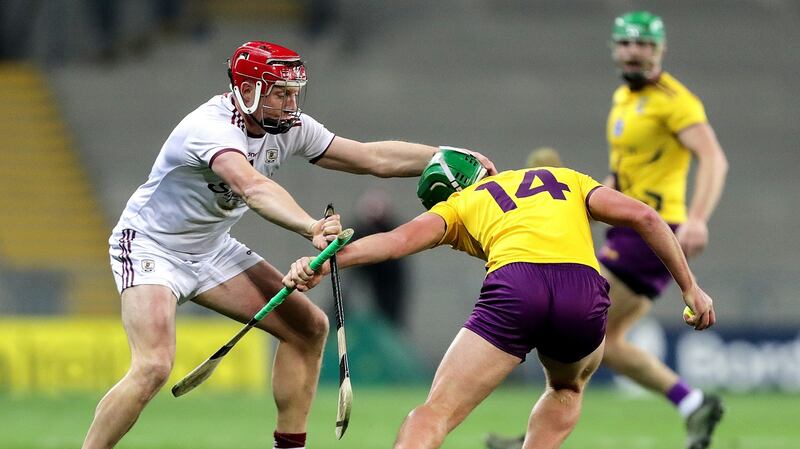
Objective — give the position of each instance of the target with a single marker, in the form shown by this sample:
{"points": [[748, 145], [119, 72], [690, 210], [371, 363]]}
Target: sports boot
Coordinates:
{"points": [[494, 441], [701, 423]]}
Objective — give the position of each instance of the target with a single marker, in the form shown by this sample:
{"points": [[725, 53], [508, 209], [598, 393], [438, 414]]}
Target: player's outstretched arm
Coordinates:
{"points": [[419, 234], [617, 209], [386, 159], [271, 201]]}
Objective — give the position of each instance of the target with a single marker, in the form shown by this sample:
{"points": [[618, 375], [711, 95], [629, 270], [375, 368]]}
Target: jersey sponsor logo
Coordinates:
{"points": [[226, 199], [640, 105], [148, 265], [272, 155]]}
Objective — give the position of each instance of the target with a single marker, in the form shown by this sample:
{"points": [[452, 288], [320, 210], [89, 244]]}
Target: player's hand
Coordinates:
{"points": [[703, 307], [324, 231], [489, 165], [693, 236], [301, 277]]}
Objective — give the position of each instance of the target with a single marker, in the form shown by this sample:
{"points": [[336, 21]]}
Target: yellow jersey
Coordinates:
{"points": [[647, 160], [535, 215]]}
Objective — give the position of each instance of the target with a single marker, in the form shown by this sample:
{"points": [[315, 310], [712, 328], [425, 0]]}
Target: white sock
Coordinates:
{"points": [[690, 403]]}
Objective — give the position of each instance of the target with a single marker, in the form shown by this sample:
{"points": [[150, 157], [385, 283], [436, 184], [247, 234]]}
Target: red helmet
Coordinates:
{"points": [[269, 65]]}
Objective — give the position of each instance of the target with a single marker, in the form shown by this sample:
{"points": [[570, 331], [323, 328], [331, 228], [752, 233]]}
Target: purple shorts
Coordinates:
{"points": [[630, 259], [559, 309]]}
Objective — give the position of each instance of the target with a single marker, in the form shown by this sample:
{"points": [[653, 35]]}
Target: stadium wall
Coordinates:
{"points": [[501, 77]]}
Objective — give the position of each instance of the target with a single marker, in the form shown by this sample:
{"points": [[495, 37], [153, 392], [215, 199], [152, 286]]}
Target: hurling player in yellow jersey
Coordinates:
{"points": [[542, 290], [655, 127]]}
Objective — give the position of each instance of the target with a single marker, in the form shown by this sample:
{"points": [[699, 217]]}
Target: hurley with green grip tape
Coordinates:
{"points": [[204, 370], [326, 254]]}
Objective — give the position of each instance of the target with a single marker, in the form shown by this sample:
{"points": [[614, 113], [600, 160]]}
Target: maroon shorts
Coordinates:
{"points": [[627, 255], [559, 309]]}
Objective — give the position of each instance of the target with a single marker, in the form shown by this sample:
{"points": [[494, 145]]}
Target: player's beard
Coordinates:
{"points": [[635, 80], [638, 79]]}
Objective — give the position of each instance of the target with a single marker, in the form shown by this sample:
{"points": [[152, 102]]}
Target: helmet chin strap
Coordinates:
{"points": [[252, 108]]}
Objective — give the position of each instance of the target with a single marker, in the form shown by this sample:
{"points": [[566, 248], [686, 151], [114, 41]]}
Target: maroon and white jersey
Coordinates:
{"points": [[184, 205]]}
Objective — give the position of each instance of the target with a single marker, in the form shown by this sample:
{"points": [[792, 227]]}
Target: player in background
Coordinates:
{"points": [[542, 290], [655, 127], [172, 243], [543, 157]]}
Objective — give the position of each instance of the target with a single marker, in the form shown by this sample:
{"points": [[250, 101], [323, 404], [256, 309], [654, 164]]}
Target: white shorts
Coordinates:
{"points": [[138, 260]]}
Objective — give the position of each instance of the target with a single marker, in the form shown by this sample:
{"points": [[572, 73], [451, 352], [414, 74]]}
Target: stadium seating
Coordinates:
{"points": [[52, 224]]}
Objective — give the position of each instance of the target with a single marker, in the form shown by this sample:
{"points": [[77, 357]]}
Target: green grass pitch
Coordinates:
{"points": [[233, 421]]}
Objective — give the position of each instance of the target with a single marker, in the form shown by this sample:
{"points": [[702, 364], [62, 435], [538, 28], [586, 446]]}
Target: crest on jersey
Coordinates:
{"points": [[618, 127], [272, 155], [148, 265]]}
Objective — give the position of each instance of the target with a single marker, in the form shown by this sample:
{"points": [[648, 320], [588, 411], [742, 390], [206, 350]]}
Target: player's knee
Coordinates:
{"points": [[615, 333], [614, 350], [567, 389], [152, 373], [431, 416], [315, 330], [446, 413], [569, 400], [159, 373], [321, 325]]}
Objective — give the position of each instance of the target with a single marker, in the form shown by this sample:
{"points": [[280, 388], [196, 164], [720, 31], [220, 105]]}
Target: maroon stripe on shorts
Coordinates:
{"points": [[127, 264]]}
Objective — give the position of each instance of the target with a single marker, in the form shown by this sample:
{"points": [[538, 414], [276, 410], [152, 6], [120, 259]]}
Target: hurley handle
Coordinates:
{"points": [[326, 254]]}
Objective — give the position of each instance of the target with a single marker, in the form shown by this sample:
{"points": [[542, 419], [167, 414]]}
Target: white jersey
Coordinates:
{"points": [[184, 206]]}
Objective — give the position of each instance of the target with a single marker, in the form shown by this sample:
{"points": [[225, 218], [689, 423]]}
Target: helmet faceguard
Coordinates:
{"points": [[636, 27], [267, 65], [449, 171]]}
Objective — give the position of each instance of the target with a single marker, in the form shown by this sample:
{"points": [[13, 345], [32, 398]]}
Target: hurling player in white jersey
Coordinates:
{"points": [[172, 243]]}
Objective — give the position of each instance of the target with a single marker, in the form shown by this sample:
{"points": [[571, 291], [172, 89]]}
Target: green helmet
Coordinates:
{"points": [[639, 25], [449, 171]]}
